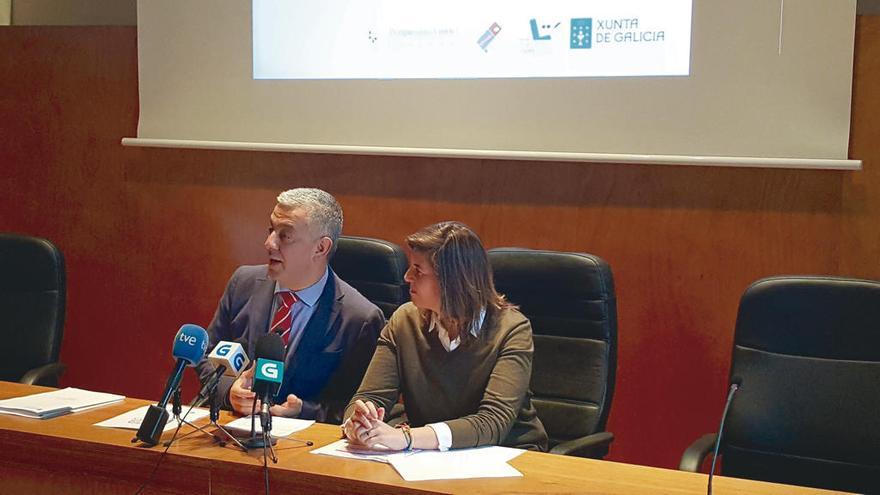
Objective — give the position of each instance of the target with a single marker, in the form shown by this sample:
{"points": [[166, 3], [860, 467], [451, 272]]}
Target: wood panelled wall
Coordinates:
{"points": [[151, 236]]}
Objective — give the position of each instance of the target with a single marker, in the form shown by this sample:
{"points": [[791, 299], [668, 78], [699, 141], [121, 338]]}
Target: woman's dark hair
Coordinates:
{"points": [[462, 267]]}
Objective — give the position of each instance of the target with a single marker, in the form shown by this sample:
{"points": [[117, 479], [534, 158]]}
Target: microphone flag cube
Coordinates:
{"points": [[230, 355], [269, 370]]}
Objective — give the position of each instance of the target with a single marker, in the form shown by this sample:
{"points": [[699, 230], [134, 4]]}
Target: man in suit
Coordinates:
{"points": [[329, 329]]}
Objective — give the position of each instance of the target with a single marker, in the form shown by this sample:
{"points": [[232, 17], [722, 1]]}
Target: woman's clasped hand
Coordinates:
{"points": [[367, 428]]}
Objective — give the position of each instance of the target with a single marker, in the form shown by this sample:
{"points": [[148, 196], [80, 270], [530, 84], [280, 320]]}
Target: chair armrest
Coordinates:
{"points": [[46, 375], [693, 457], [594, 446]]}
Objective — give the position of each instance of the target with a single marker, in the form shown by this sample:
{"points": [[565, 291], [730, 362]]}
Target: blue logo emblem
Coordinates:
{"points": [[536, 34], [224, 349], [238, 361], [581, 33]]}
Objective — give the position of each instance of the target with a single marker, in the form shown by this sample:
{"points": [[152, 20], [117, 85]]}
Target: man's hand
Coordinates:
{"points": [[241, 395], [290, 409]]}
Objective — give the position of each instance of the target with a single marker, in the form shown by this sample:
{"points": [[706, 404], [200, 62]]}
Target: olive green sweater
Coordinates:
{"points": [[480, 390]]}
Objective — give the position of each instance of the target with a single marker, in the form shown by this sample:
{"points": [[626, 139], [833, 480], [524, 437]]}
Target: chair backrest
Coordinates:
{"points": [[32, 299], [569, 299], [375, 268], [807, 350]]}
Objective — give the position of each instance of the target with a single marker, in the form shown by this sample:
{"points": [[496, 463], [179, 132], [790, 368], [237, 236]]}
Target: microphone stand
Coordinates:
{"points": [[257, 442], [215, 415], [176, 409], [266, 424], [733, 388]]}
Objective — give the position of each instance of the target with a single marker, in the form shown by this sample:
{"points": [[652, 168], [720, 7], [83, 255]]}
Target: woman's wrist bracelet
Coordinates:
{"points": [[407, 435]]}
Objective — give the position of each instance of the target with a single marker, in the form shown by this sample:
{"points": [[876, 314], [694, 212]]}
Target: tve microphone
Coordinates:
{"points": [[735, 384], [229, 359], [189, 348]]}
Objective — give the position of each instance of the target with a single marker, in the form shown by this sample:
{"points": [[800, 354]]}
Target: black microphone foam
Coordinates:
{"points": [[269, 346]]}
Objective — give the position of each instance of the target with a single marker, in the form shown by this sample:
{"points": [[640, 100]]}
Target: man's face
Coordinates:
{"points": [[294, 251]]}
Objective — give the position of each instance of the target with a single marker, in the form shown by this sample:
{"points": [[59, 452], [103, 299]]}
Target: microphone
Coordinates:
{"points": [[189, 348], [268, 375], [735, 384], [269, 372], [267, 380], [229, 359]]}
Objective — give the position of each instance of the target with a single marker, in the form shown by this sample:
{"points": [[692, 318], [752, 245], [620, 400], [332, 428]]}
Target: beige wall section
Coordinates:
{"points": [[5, 12], [72, 12]]}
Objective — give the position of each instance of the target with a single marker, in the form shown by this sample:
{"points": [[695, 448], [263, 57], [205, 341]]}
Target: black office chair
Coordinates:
{"points": [[807, 350], [569, 298], [32, 298], [375, 268]]}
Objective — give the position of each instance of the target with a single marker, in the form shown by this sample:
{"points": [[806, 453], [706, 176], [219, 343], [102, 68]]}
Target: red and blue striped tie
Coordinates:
{"points": [[281, 323]]}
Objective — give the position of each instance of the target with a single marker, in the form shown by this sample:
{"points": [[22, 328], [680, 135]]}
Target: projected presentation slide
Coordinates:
{"points": [[462, 39]]}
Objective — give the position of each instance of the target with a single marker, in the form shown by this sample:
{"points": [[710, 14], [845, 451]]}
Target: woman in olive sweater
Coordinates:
{"points": [[459, 354]]}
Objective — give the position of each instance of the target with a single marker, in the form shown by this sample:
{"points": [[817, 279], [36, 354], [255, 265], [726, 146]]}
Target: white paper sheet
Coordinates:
{"points": [[281, 427], [57, 402], [340, 448], [132, 420], [482, 462]]}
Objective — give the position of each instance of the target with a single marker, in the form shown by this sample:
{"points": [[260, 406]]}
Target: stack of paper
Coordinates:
{"points": [[56, 403], [132, 420], [481, 462]]}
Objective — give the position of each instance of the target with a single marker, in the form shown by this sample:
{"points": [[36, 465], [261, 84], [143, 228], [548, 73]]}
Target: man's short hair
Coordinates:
{"points": [[321, 208]]}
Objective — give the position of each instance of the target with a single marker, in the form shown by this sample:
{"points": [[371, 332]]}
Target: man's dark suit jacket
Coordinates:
{"points": [[326, 367]]}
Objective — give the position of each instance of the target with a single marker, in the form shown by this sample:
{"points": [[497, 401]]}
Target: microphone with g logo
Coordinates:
{"points": [[268, 375], [229, 359], [229, 356], [269, 368]]}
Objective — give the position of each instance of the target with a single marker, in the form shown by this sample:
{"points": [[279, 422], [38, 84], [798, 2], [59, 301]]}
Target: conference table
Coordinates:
{"points": [[69, 455]]}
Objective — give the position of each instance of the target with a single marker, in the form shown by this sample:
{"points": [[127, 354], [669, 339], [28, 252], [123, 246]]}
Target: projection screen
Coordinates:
{"points": [[748, 82]]}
